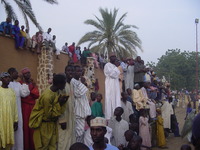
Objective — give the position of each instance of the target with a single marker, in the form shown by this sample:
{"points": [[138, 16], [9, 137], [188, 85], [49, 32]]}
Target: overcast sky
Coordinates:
{"points": [[163, 24]]}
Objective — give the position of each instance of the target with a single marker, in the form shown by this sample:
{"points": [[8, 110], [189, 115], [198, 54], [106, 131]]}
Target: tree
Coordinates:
{"points": [[111, 35], [26, 10], [179, 68]]}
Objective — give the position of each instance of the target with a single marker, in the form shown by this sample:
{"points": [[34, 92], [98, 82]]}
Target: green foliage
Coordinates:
{"points": [[111, 35], [179, 68], [26, 10]]}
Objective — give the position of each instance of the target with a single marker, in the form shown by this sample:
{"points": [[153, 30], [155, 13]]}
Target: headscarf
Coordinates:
{"points": [[25, 70]]}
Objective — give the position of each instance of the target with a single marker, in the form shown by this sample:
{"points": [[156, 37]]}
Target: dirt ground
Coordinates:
{"points": [[174, 143]]}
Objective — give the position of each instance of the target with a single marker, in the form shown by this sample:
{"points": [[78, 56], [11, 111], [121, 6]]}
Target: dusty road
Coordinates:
{"points": [[174, 143]]}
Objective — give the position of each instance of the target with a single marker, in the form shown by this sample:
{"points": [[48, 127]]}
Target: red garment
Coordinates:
{"points": [[27, 106], [74, 56]]}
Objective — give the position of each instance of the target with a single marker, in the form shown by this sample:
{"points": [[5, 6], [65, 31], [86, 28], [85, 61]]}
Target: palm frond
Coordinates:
{"points": [[26, 10], [9, 10], [112, 35], [51, 1]]}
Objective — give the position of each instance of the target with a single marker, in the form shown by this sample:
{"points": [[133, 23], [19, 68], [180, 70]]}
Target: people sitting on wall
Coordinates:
{"points": [[37, 42], [22, 36], [6, 27], [47, 39], [28, 40]]}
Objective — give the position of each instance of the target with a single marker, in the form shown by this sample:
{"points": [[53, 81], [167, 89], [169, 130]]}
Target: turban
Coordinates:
{"points": [[25, 70], [98, 122], [4, 74]]}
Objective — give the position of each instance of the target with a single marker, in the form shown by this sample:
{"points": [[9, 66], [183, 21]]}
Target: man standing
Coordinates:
{"points": [[20, 91], [139, 71], [98, 131], [82, 107], [112, 88], [129, 78], [28, 103], [8, 113], [45, 114], [66, 121]]}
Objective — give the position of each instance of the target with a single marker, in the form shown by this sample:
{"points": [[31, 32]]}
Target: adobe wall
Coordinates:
{"points": [[10, 57]]}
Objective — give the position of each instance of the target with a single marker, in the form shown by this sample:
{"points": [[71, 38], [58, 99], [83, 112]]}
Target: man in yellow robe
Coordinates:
{"points": [[8, 113], [45, 114], [138, 97]]}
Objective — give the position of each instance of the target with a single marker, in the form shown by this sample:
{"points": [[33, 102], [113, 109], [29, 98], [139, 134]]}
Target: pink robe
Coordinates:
{"points": [[144, 132]]}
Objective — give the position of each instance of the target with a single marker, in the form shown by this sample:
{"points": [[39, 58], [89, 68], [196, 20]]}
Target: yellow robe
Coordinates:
{"points": [[8, 115], [43, 120], [67, 137], [160, 132], [138, 99]]}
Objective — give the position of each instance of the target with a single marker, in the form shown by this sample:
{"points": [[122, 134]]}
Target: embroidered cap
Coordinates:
{"points": [[98, 121], [4, 74]]}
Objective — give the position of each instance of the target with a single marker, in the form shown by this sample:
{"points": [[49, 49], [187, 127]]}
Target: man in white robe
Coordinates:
{"points": [[129, 78], [112, 87], [66, 122], [21, 90], [127, 106], [167, 111], [82, 107]]}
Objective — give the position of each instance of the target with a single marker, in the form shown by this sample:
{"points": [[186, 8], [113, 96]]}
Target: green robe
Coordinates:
{"points": [[97, 110], [44, 118]]}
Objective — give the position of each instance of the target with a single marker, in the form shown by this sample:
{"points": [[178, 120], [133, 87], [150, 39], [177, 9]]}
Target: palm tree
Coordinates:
{"points": [[26, 9], [112, 35]]}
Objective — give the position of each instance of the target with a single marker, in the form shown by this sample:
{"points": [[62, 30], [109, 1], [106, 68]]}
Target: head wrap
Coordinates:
{"points": [[98, 122], [4, 74], [25, 70]]}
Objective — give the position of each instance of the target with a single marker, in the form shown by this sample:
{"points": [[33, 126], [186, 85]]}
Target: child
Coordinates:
{"points": [[134, 123], [92, 97], [161, 142], [97, 109], [128, 136], [119, 126], [144, 129]]}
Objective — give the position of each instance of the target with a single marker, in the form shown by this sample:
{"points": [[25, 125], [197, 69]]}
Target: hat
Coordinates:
{"points": [[25, 70], [4, 74], [136, 84], [98, 121]]}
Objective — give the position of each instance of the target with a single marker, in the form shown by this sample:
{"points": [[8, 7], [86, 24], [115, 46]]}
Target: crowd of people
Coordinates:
{"points": [[139, 110], [41, 39]]}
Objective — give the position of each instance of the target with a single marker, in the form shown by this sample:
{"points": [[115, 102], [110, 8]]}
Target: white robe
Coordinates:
{"points": [[167, 111], [112, 89], [128, 110], [129, 78], [67, 137], [20, 91], [119, 128], [82, 107]]}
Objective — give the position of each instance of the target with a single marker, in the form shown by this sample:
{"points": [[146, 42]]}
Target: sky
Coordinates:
{"points": [[162, 24]]}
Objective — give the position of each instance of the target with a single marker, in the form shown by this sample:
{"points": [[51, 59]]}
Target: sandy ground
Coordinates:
{"points": [[174, 143]]}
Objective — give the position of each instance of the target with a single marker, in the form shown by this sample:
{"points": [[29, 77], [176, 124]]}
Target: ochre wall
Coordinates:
{"points": [[10, 57]]}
